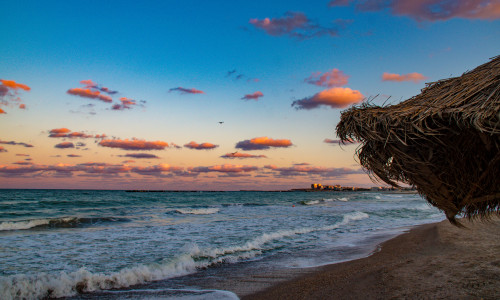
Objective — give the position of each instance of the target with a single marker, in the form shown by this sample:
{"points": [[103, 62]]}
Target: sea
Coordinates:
{"points": [[86, 244]]}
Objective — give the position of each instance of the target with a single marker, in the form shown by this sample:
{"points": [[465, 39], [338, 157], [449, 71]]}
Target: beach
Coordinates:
{"points": [[432, 261]]}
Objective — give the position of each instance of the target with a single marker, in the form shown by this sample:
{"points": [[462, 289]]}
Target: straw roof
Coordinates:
{"points": [[444, 141]]}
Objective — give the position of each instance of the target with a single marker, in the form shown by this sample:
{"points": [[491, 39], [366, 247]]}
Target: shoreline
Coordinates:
{"points": [[434, 261]]}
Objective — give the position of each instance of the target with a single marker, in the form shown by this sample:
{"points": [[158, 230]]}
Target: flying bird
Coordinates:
{"points": [[221, 122]]}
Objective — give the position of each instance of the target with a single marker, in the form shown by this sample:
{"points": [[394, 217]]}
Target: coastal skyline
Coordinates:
{"points": [[214, 95]]}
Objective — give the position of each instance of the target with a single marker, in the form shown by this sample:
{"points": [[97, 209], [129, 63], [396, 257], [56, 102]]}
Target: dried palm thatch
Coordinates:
{"points": [[444, 141]]}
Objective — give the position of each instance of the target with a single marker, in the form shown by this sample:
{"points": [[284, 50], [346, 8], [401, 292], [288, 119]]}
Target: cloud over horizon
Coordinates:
{"points": [[429, 10], [337, 97], [293, 24], [140, 155], [226, 168], [308, 170], [263, 143], [242, 155], [133, 144]]}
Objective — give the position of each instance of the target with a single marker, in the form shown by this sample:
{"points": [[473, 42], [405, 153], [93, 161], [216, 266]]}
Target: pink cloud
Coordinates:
{"points": [[202, 146], [14, 85], [9, 93], [294, 24], [308, 170], [336, 97], [156, 170], [254, 96], [227, 168], [415, 77], [73, 155], [242, 155], [2, 149], [263, 143], [140, 155], [134, 144], [431, 10], [16, 143], [88, 93], [186, 91], [66, 133], [328, 79], [65, 145]]}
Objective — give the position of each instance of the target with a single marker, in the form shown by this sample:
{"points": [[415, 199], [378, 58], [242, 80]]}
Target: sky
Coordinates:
{"points": [[214, 95]]}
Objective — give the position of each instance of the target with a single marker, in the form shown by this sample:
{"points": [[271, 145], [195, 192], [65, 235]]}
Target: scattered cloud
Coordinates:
{"points": [[21, 154], [133, 144], [66, 133], [226, 168], [334, 78], [308, 170], [88, 93], [202, 146], [126, 103], [339, 142], [240, 76], [337, 97], [242, 155], [263, 143], [156, 170], [2, 149], [65, 145], [11, 84], [254, 96], [92, 85], [186, 91], [415, 77], [73, 155], [140, 155], [293, 24], [16, 143], [430, 10], [23, 163], [9, 93]]}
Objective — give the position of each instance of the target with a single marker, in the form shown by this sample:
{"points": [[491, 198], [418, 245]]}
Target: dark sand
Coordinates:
{"points": [[433, 261]]}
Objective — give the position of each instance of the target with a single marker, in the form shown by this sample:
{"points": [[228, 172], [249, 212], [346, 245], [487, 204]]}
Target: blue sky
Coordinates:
{"points": [[145, 49]]}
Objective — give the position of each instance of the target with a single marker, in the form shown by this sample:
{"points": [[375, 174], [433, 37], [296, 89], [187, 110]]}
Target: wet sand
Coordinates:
{"points": [[433, 261]]}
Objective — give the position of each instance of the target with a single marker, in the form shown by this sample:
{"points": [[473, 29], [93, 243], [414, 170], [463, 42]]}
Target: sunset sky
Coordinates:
{"points": [[214, 95]]}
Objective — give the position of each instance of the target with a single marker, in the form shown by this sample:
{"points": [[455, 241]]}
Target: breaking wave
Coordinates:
{"points": [[69, 284], [197, 211], [68, 222]]}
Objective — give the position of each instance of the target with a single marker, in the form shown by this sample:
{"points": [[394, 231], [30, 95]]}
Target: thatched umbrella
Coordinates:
{"points": [[444, 141]]}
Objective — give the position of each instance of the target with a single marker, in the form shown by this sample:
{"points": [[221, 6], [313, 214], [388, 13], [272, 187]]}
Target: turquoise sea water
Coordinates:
{"points": [[61, 243]]}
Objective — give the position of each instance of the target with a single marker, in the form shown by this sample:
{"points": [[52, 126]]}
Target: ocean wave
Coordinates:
{"points": [[321, 201], [197, 211], [68, 222], [69, 284]]}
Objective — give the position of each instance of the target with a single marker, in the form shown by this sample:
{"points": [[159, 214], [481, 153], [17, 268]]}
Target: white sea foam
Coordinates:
{"points": [[67, 284], [27, 224], [197, 211], [343, 199]]}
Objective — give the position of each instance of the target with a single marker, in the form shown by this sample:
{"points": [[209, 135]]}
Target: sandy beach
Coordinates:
{"points": [[432, 261]]}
